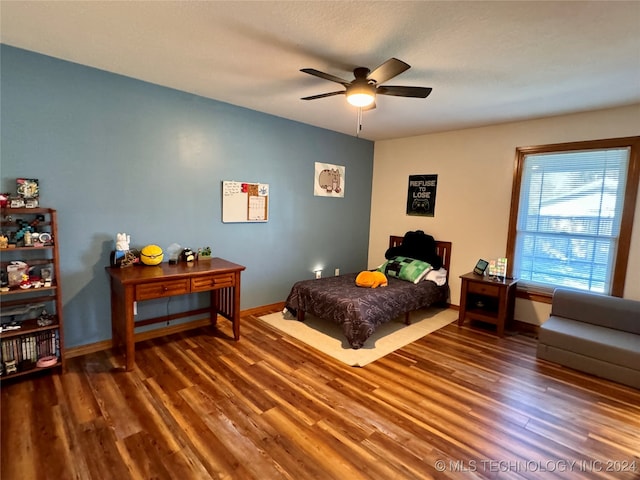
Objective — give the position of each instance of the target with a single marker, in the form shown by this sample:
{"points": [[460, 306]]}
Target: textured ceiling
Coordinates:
{"points": [[487, 62]]}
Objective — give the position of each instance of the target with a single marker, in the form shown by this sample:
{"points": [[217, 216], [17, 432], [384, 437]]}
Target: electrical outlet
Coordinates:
{"points": [[337, 272]]}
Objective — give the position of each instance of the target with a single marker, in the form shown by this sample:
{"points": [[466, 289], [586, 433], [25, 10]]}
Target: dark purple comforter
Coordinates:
{"points": [[360, 310]]}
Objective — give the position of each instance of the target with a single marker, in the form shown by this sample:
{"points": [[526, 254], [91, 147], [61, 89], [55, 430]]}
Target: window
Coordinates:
{"points": [[572, 213]]}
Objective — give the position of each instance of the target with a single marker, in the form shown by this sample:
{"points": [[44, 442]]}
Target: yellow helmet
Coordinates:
{"points": [[151, 255]]}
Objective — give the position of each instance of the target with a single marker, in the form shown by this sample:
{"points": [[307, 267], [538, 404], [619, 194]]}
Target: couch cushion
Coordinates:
{"points": [[612, 312], [594, 366], [606, 344]]}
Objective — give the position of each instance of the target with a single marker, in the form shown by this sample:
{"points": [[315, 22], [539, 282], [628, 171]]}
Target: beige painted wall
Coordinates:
{"points": [[475, 174]]}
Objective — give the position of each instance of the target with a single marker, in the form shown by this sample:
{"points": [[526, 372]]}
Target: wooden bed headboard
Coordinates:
{"points": [[442, 248]]}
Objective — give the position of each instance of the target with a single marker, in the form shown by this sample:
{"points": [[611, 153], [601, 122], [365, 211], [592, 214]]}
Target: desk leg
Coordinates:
{"points": [[130, 346], [122, 322], [116, 315], [214, 306], [502, 312], [236, 307], [463, 303], [226, 302]]}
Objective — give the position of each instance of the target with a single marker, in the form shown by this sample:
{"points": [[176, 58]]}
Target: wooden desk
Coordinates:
{"points": [[487, 300], [139, 283]]}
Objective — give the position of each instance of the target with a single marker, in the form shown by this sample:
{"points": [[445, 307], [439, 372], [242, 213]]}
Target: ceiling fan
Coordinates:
{"points": [[362, 90]]}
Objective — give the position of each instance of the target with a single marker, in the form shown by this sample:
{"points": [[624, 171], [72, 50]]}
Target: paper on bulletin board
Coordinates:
{"points": [[245, 202]]}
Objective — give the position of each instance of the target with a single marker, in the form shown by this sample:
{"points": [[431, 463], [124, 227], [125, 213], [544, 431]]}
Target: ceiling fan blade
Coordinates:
{"points": [[415, 92], [326, 76], [323, 95], [388, 70]]}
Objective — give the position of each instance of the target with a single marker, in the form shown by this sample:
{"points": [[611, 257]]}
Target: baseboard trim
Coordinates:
{"points": [[525, 327], [263, 310], [161, 332]]}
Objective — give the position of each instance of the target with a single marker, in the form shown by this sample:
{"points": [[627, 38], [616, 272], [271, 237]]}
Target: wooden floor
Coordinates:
{"points": [[459, 403]]}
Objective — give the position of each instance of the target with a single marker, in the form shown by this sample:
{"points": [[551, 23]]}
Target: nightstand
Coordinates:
{"points": [[487, 300]]}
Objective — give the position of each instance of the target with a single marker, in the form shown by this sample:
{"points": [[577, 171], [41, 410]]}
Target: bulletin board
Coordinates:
{"points": [[245, 202]]}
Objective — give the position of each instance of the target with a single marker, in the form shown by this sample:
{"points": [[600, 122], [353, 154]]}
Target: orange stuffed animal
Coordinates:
{"points": [[371, 279]]}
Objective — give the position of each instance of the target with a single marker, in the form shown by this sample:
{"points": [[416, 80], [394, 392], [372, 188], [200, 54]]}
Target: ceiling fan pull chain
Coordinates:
{"points": [[359, 122]]}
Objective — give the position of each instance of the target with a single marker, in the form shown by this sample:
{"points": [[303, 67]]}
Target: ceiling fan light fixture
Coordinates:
{"points": [[360, 99], [360, 95], [361, 92]]}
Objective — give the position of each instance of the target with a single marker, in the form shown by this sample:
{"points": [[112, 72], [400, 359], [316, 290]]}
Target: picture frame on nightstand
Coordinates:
{"points": [[498, 268], [480, 267]]}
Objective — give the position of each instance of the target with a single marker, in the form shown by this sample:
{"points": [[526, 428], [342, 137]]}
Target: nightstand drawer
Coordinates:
{"points": [[148, 291], [211, 282], [484, 289]]}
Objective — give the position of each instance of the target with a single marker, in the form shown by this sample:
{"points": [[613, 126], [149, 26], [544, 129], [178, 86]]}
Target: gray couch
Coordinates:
{"points": [[597, 334]]}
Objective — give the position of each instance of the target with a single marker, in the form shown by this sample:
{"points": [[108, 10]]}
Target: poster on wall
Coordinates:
{"points": [[328, 180], [421, 197]]}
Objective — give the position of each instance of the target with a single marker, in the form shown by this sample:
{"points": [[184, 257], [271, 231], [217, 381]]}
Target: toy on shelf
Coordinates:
{"points": [[122, 242], [28, 192], [151, 255], [174, 251], [187, 255], [123, 256], [28, 187], [15, 273]]}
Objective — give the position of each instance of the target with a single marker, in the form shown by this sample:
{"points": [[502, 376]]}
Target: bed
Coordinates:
{"points": [[359, 311]]}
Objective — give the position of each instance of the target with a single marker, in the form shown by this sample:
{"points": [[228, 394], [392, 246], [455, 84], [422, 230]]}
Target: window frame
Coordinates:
{"points": [[628, 209]]}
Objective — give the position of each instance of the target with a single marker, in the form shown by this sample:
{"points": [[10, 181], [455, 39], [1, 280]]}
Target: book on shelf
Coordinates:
{"points": [[28, 348]]}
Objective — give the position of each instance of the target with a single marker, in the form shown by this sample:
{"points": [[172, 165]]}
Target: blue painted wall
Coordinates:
{"points": [[114, 154]]}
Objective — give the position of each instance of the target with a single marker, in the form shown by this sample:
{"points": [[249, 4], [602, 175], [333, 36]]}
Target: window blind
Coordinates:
{"points": [[569, 218]]}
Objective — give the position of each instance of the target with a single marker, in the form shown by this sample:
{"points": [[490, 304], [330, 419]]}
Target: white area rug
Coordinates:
{"points": [[328, 337]]}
